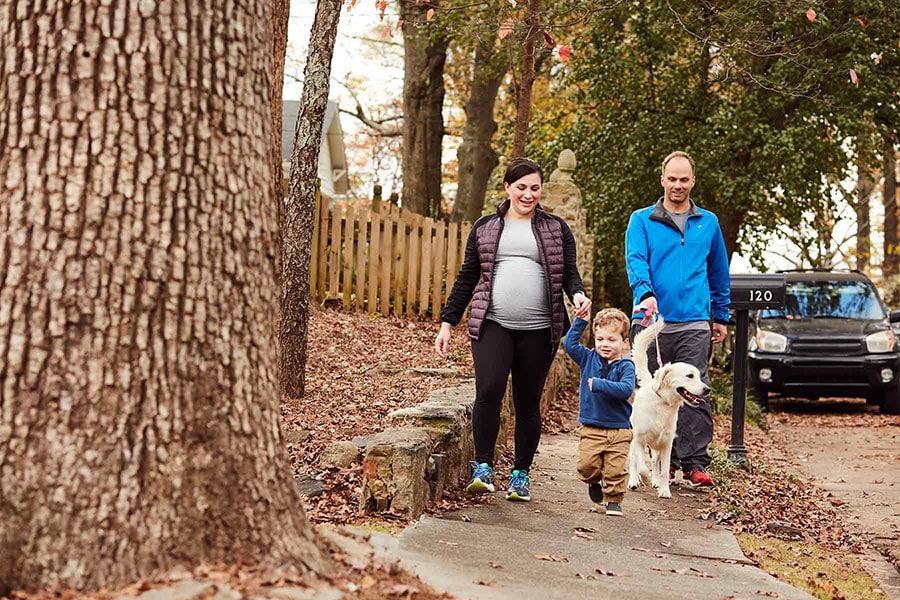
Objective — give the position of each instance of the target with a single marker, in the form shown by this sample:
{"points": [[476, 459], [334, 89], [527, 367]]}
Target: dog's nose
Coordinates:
{"points": [[705, 390]]}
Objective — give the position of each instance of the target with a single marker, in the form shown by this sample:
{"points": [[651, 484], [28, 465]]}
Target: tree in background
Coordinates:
{"points": [[425, 52], [139, 427], [300, 208], [748, 90]]}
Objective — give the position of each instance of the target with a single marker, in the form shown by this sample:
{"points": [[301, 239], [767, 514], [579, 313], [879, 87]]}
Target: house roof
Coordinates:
{"points": [[332, 137]]}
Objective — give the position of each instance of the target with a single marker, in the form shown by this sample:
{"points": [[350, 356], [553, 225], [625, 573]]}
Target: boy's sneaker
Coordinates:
{"points": [[595, 491], [482, 478], [698, 478], [671, 474], [518, 487], [614, 509]]}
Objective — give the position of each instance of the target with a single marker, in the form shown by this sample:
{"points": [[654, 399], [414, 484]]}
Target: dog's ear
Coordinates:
{"points": [[664, 376]]}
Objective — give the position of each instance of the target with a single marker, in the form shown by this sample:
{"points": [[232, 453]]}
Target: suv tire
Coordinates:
{"points": [[890, 403], [762, 398]]}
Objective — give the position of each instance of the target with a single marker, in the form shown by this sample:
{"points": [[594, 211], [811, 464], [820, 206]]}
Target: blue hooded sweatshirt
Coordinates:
{"points": [[605, 404], [686, 272]]}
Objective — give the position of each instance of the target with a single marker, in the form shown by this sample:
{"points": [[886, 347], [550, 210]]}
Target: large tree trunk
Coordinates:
{"points": [[423, 101], [865, 185], [477, 157], [300, 209], [139, 417], [280, 18], [891, 241], [523, 98]]}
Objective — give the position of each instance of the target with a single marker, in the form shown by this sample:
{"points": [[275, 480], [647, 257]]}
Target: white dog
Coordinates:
{"points": [[655, 412]]}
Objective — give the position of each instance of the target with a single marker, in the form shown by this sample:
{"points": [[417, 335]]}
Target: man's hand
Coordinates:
{"points": [[719, 332], [582, 305], [442, 341], [650, 303], [648, 308], [591, 383]]}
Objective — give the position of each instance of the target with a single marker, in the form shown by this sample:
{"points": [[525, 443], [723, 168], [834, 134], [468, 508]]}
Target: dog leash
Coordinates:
{"points": [[659, 362]]}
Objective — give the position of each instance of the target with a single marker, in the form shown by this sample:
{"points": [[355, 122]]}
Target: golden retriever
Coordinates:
{"points": [[655, 412]]}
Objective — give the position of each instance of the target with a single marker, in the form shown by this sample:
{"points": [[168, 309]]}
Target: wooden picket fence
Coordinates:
{"points": [[384, 259]]}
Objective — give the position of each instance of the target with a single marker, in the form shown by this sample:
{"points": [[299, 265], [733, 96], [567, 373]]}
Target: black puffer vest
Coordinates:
{"points": [[556, 247]]}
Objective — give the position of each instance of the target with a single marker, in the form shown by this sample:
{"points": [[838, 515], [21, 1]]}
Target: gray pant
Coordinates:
{"points": [[695, 425]]}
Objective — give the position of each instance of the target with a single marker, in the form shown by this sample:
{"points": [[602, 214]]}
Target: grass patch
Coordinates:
{"points": [[809, 567], [721, 396]]}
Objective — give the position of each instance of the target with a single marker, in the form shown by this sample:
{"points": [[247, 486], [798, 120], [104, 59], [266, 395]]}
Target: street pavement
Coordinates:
{"points": [[561, 545], [857, 466]]}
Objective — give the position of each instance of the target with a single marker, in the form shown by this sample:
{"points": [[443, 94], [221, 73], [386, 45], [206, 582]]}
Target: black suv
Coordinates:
{"points": [[833, 338]]}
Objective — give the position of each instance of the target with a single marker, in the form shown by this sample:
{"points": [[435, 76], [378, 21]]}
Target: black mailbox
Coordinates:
{"points": [[748, 292], [753, 292]]}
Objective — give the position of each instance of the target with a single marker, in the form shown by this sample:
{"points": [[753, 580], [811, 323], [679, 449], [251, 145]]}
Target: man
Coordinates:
{"points": [[677, 266]]}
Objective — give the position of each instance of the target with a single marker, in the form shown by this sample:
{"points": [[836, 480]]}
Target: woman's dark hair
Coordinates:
{"points": [[520, 167]]}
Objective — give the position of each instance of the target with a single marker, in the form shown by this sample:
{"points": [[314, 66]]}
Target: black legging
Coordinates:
{"points": [[527, 353]]}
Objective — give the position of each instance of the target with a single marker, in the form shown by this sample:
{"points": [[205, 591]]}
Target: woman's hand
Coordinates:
{"points": [[582, 305], [442, 341]]}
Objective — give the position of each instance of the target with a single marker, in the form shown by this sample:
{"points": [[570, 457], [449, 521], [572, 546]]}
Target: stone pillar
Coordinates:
{"points": [[562, 197]]}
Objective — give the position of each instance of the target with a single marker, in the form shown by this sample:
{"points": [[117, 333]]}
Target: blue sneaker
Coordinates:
{"points": [[518, 487], [482, 478]]}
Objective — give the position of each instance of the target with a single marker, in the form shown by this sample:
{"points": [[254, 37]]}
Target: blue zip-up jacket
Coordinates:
{"points": [[686, 273], [606, 403]]}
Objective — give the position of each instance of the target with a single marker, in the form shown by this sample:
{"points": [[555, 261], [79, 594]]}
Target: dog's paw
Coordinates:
{"points": [[633, 484], [664, 493]]}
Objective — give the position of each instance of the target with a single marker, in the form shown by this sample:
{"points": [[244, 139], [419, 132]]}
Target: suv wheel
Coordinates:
{"points": [[762, 398], [890, 404]]}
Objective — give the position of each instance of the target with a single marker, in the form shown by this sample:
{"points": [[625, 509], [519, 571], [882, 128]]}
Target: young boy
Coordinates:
{"points": [[604, 410]]}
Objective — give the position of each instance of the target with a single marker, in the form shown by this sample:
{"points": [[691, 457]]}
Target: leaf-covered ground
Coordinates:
{"points": [[351, 386]]}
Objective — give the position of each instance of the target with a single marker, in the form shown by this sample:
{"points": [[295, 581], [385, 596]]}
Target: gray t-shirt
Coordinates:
{"points": [[679, 218], [519, 293]]}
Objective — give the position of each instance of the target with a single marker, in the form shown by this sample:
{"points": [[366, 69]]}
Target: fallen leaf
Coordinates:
{"points": [[854, 78], [811, 15], [551, 558], [585, 529], [448, 543], [484, 582], [466, 518], [607, 573], [495, 565], [666, 544], [429, 15], [404, 590]]}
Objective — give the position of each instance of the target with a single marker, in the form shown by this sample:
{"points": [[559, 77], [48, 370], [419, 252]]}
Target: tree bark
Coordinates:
{"points": [[139, 417], [477, 158], [280, 17], [300, 208], [423, 101], [523, 98], [865, 185], [891, 242]]}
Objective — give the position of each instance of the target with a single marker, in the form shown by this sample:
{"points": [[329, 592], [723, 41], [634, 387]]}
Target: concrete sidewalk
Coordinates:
{"points": [[659, 549]]}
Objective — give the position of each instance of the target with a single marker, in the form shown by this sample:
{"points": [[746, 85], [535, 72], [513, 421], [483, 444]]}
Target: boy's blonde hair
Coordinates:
{"points": [[614, 319]]}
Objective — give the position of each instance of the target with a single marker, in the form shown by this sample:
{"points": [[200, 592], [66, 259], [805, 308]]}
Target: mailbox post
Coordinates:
{"points": [[748, 292]]}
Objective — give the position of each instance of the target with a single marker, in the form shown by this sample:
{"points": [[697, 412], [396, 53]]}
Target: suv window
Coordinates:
{"points": [[828, 300]]}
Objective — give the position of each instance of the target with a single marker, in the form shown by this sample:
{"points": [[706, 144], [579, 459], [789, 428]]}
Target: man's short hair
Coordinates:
{"points": [[677, 154], [614, 319]]}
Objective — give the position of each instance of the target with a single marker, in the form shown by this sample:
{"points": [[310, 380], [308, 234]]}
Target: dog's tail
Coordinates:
{"points": [[639, 351]]}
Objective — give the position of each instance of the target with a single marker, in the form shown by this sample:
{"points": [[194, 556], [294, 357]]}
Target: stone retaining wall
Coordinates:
{"points": [[408, 467]]}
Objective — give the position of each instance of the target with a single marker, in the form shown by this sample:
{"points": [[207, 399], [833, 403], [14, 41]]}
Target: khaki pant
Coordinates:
{"points": [[602, 456]]}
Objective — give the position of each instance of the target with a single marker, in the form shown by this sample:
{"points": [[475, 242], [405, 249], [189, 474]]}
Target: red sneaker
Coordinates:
{"points": [[695, 478]]}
